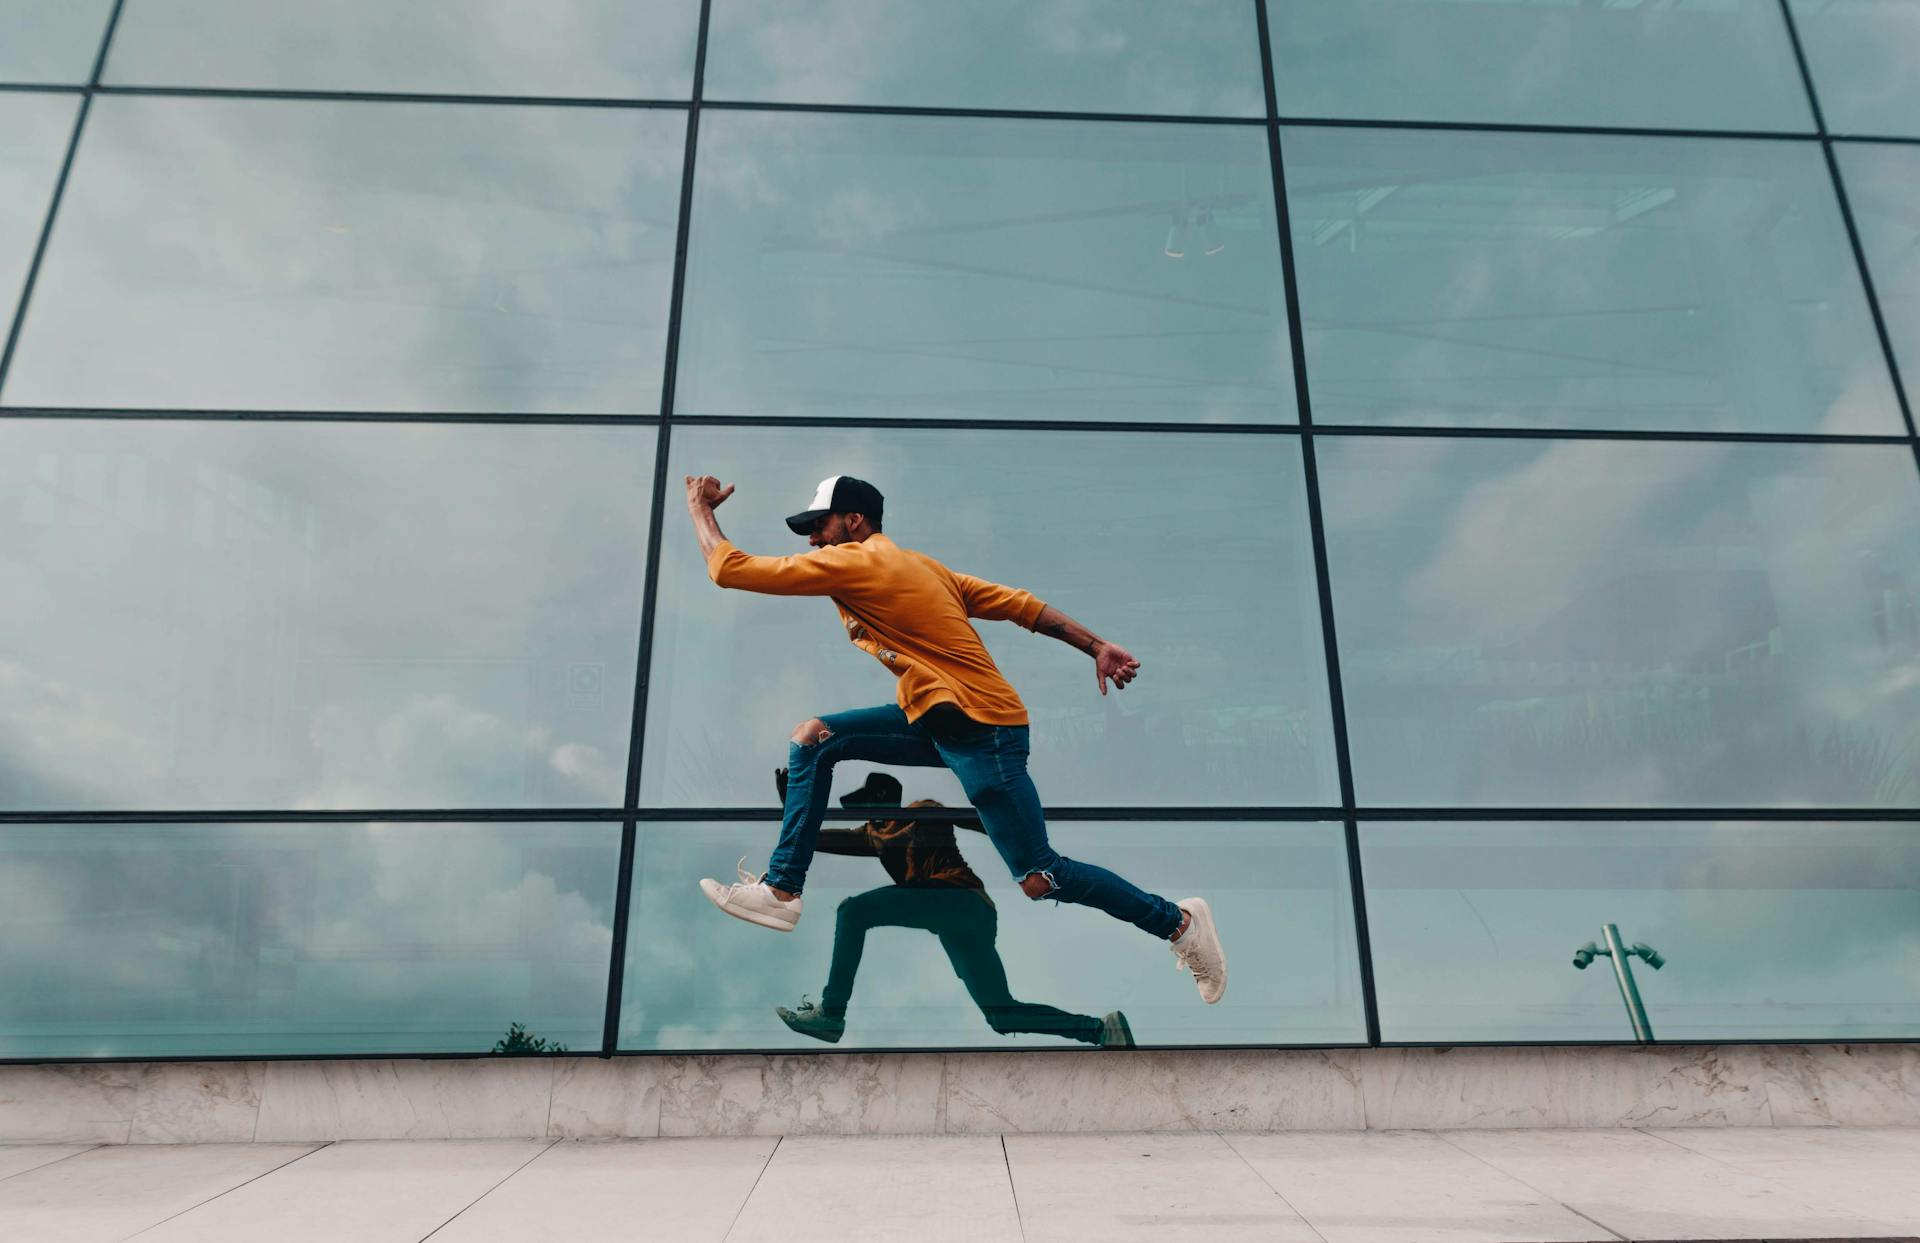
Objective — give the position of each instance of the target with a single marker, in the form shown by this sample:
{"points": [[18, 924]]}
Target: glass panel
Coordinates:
{"points": [[628, 49], [1278, 891], [927, 266], [1862, 54], [1190, 551], [1175, 57], [1766, 931], [172, 940], [1883, 188], [314, 615], [241, 254], [51, 41], [1554, 280], [37, 128], [1615, 624], [1694, 64]]}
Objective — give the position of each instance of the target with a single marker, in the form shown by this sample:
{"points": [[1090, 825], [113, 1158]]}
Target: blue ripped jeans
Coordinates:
{"points": [[991, 763]]}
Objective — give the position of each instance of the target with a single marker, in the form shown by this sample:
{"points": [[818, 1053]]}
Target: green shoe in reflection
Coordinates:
{"points": [[811, 1020]]}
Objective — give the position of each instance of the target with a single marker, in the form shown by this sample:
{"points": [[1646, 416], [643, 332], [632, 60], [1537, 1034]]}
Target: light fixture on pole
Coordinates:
{"points": [[1623, 973]]}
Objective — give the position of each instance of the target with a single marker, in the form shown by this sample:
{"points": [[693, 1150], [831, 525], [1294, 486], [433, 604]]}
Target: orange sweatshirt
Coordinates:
{"points": [[906, 610]]}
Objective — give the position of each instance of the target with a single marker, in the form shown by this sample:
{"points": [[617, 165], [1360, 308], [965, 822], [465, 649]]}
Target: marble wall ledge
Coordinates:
{"points": [[983, 1093]]}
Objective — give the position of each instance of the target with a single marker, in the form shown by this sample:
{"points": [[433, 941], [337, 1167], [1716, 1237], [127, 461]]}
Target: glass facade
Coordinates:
{"points": [[1692, 64], [1171, 57], [1774, 931], [1600, 623], [1466, 278], [1883, 182], [1861, 54], [1272, 884], [348, 255], [50, 41], [944, 267], [309, 615], [37, 129], [171, 940], [1488, 421], [594, 49], [1223, 731]]}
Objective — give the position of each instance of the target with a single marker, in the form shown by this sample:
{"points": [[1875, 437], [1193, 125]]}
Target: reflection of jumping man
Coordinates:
{"points": [[953, 708], [934, 890]]}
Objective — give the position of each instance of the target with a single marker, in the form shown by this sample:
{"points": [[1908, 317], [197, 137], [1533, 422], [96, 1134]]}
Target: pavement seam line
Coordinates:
{"points": [[1019, 1218], [325, 1143], [771, 1154], [544, 1150], [1442, 1135], [1779, 1184], [1683, 1148], [57, 1160], [1583, 1217], [1268, 1183]]}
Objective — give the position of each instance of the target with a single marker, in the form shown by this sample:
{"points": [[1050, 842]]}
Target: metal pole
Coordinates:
{"points": [[1629, 993]]}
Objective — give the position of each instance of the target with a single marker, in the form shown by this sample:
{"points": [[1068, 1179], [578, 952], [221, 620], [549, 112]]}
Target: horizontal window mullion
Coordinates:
{"points": [[574, 101], [1524, 127], [983, 425], [391, 97], [317, 416], [1889, 138], [1017, 114], [1605, 433], [950, 815]]}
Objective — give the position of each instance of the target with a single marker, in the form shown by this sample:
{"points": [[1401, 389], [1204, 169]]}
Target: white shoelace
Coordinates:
{"points": [[747, 879], [1187, 958]]}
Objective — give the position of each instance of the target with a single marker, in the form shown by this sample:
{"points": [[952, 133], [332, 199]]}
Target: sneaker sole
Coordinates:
{"points": [[1203, 921], [753, 917]]}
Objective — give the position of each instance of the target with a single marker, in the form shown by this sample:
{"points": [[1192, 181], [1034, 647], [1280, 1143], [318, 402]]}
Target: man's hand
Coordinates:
{"points": [[1113, 661], [1110, 660], [705, 492]]}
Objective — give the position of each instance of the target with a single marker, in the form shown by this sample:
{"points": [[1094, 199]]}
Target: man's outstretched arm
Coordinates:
{"points": [[821, 573], [993, 602], [1110, 660]]}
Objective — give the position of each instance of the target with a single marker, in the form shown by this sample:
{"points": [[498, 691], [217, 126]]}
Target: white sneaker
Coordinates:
{"points": [[1198, 950], [753, 900]]}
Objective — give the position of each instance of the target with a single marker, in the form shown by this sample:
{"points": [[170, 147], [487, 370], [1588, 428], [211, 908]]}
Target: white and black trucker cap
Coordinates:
{"points": [[842, 494]]}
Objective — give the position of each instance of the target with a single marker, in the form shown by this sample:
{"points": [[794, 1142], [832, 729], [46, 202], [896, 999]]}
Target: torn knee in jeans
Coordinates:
{"points": [[1038, 885], [810, 733]]}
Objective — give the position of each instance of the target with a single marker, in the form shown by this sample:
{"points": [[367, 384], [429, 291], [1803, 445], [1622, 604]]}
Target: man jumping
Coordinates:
{"points": [[953, 708]]}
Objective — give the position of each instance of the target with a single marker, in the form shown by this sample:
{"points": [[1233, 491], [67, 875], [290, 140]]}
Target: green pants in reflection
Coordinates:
{"points": [[967, 926]]}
